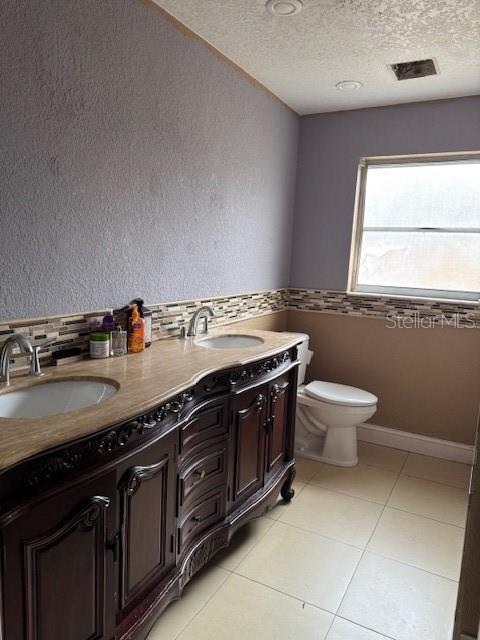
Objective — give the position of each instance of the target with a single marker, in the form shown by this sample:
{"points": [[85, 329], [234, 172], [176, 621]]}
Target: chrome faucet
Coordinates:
{"points": [[6, 353], [25, 347], [204, 312]]}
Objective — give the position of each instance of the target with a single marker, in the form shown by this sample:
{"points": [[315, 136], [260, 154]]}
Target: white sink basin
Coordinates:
{"points": [[50, 398], [230, 342]]}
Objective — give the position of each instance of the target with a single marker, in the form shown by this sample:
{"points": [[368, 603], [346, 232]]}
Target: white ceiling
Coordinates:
{"points": [[301, 58]]}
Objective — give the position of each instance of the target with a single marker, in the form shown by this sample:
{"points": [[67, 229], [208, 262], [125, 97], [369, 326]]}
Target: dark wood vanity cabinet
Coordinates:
{"points": [[281, 405], [99, 536], [260, 427], [249, 422], [58, 569], [143, 545]]}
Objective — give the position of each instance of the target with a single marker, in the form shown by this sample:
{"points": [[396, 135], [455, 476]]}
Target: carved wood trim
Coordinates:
{"points": [[276, 392], [134, 477], [90, 515], [249, 373], [53, 467], [202, 554]]}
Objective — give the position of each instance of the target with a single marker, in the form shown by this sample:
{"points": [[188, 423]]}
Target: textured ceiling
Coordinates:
{"points": [[301, 58]]}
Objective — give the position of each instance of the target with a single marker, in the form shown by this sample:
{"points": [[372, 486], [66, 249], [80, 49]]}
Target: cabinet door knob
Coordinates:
{"points": [[201, 473], [269, 424]]}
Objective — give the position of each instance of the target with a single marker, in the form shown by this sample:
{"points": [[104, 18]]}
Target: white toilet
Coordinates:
{"points": [[328, 415]]}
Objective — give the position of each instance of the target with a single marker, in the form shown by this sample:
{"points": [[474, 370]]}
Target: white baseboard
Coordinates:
{"points": [[416, 443]]}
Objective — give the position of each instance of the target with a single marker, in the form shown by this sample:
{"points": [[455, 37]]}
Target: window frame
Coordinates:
{"points": [[466, 297]]}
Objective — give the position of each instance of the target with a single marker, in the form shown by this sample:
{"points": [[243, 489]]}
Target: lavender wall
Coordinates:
{"points": [[134, 162], [329, 150]]}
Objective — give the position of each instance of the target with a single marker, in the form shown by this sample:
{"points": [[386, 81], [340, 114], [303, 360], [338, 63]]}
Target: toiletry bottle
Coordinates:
{"points": [[118, 342], [121, 317], [146, 314], [136, 336], [108, 322], [108, 325], [99, 342]]}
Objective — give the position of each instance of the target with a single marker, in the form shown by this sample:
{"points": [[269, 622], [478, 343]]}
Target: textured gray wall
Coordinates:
{"points": [[134, 162], [329, 150]]}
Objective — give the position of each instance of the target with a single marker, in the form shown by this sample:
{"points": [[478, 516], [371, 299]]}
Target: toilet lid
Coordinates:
{"points": [[340, 394]]}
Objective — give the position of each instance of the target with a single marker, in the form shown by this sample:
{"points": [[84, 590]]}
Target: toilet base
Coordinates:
{"points": [[336, 445], [340, 446], [304, 453]]}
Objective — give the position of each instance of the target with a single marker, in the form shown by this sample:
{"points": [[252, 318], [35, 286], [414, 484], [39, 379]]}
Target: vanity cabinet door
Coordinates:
{"points": [[277, 422], [147, 492], [249, 410], [58, 571]]}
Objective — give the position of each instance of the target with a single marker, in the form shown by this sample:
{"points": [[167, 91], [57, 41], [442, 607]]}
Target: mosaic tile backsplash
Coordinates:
{"points": [[431, 311], [70, 331]]}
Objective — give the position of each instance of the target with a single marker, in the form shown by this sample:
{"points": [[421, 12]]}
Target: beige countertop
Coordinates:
{"points": [[143, 379]]}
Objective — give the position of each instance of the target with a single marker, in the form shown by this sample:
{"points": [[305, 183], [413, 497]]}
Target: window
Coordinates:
{"points": [[417, 227]]}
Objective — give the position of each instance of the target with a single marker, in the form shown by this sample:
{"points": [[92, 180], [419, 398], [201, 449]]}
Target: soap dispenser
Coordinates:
{"points": [[146, 314], [136, 333]]}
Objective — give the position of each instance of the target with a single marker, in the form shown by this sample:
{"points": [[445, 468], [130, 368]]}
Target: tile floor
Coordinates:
{"points": [[368, 553]]}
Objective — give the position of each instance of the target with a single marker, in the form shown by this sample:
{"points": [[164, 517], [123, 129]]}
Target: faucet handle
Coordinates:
{"points": [[205, 324], [35, 368]]}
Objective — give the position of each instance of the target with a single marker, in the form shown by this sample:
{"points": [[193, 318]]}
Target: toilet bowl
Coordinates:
{"points": [[327, 416]]}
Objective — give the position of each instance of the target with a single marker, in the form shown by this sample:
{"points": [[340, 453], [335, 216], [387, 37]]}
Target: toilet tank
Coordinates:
{"points": [[304, 355]]}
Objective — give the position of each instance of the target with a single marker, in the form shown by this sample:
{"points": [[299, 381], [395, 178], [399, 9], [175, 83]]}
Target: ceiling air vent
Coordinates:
{"points": [[414, 69]]}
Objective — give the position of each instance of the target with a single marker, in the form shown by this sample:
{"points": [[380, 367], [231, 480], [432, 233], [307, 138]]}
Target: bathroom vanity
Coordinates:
{"points": [[107, 512]]}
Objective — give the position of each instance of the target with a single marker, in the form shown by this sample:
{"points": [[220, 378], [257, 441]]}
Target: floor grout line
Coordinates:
{"points": [[412, 566], [421, 515], [320, 535], [399, 471], [366, 546], [206, 601], [329, 628], [342, 493], [362, 626], [365, 549], [442, 484], [400, 475], [250, 551], [404, 462], [289, 595]]}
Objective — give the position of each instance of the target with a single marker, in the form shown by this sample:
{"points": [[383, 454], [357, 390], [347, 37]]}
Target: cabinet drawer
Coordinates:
{"points": [[207, 471], [202, 516], [206, 426]]}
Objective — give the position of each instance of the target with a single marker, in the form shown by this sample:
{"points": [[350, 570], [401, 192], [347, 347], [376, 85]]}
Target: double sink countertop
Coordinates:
{"points": [[143, 380]]}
